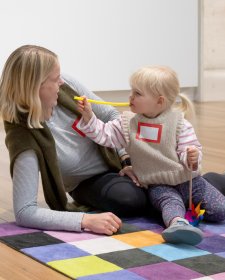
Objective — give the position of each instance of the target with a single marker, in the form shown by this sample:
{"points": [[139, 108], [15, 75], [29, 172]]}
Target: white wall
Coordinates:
{"points": [[101, 42]]}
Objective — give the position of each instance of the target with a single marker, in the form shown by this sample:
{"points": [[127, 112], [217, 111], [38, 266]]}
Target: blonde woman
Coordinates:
{"points": [[163, 148], [40, 120]]}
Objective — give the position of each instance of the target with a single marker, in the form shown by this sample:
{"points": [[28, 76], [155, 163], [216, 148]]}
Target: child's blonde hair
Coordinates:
{"points": [[24, 72], [162, 81]]}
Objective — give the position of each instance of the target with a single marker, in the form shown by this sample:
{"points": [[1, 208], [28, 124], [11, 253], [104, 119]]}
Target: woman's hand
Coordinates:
{"points": [[128, 171], [106, 223], [84, 107]]}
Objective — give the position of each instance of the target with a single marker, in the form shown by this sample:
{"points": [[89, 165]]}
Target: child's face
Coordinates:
{"points": [[142, 102]]}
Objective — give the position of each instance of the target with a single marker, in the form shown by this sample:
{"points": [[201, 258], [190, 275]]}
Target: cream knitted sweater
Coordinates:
{"points": [[151, 144]]}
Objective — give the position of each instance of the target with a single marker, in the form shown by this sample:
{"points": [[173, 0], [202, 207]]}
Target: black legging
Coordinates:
{"points": [[217, 180], [111, 192]]}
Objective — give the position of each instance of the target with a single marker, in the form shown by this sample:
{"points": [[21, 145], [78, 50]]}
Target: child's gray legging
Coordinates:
{"points": [[172, 201]]}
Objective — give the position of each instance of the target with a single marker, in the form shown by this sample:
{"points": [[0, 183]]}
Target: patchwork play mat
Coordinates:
{"points": [[136, 252]]}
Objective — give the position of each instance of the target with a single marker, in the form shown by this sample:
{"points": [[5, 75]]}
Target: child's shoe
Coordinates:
{"points": [[182, 232]]}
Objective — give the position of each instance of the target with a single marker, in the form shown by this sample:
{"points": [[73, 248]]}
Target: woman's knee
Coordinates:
{"points": [[126, 198], [217, 216], [128, 195], [217, 180]]}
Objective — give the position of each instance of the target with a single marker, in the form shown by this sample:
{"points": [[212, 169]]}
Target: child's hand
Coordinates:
{"points": [[192, 157], [128, 171], [84, 107]]}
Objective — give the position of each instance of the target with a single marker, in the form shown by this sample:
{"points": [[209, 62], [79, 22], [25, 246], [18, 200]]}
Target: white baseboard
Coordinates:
{"points": [[114, 96], [123, 95]]}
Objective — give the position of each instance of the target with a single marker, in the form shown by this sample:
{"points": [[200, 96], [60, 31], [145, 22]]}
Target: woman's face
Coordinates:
{"points": [[49, 89]]}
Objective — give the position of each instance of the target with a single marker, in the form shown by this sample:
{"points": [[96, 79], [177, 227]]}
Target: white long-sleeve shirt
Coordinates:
{"points": [[111, 135]]}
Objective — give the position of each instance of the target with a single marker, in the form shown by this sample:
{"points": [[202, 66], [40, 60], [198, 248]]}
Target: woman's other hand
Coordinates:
{"points": [[106, 223]]}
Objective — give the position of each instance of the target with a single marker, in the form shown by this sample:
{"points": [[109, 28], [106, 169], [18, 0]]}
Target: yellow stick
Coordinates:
{"points": [[103, 102]]}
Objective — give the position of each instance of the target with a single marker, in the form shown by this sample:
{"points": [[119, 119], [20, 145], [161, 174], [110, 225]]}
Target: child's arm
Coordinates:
{"points": [[108, 134], [189, 149], [84, 107]]}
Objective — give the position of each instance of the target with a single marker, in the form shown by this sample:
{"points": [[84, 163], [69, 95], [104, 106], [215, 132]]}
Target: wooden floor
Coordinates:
{"points": [[210, 128]]}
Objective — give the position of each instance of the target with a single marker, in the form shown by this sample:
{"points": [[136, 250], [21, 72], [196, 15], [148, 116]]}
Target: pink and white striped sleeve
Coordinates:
{"points": [[108, 134], [187, 138]]}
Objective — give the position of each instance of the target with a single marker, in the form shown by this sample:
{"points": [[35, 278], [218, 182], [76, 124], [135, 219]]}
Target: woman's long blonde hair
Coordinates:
{"points": [[24, 72], [162, 81]]}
